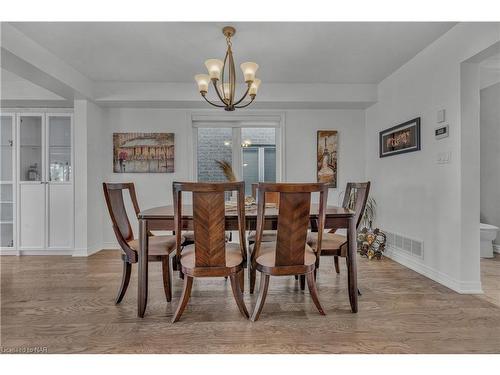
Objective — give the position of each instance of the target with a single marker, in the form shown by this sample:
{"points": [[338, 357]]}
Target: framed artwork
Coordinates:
{"points": [[326, 157], [143, 152], [401, 138]]}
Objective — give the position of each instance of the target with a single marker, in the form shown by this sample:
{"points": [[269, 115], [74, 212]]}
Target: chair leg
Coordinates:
{"points": [[336, 262], [167, 285], [264, 284], [127, 268], [186, 293], [238, 294], [253, 275], [242, 280], [311, 283], [302, 282]]}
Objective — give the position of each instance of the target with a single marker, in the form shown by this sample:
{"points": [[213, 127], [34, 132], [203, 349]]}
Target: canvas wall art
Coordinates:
{"points": [[326, 168], [401, 138], [143, 152]]}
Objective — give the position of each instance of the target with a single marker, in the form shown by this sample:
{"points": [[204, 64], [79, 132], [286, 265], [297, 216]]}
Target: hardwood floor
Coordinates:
{"points": [[66, 304], [490, 279]]}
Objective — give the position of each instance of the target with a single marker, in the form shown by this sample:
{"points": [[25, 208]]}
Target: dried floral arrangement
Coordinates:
{"points": [[227, 169]]}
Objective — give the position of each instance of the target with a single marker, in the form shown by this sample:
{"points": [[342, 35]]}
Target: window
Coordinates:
{"points": [[259, 156], [251, 150], [213, 144]]}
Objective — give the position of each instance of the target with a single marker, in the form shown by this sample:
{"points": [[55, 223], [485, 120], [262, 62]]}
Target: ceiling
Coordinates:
{"points": [[492, 62], [299, 52], [15, 87], [10, 77]]}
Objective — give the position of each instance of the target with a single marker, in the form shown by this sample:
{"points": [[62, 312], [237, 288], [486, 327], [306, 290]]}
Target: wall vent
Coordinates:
{"points": [[400, 243]]}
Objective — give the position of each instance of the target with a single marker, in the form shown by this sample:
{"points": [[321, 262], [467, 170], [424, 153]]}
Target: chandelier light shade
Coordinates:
{"points": [[214, 67], [222, 75], [203, 81], [249, 69]]}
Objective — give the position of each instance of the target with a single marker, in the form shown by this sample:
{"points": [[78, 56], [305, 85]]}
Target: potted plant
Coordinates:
{"points": [[371, 242], [370, 212], [370, 209]]}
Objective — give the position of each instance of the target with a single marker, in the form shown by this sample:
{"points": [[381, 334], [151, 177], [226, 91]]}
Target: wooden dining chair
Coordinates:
{"points": [[272, 198], [189, 237], [160, 247], [289, 254], [356, 195], [210, 255]]}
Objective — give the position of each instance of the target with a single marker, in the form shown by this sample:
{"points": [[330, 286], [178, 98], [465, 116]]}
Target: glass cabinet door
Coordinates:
{"points": [[7, 181], [59, 148], [30, 148]]}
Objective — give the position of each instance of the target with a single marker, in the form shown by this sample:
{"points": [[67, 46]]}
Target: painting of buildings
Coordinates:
{"points": [[143, 152], [326, 168]]}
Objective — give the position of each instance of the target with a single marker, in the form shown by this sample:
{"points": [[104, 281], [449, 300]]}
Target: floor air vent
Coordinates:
{"points": [[411, 246]]}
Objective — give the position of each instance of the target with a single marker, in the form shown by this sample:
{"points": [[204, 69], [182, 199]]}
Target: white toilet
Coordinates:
{"points": [[488, 234]]}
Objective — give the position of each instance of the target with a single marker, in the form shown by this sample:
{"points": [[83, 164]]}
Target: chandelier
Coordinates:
{"points": [[222, 75]]}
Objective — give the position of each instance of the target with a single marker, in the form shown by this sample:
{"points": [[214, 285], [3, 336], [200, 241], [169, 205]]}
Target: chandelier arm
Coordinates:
{"points": [[218, 93], [246, 105], [222, 76], [215, 105], [232, 78], [244, 96]]}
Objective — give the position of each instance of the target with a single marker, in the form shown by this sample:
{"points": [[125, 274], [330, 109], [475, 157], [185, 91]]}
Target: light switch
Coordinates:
{"points": [[441, 114], [443, 157]]}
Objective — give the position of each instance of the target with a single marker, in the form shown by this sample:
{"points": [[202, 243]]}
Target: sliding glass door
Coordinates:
{"points": [[214, 146], [249, 151], [259, 156]]}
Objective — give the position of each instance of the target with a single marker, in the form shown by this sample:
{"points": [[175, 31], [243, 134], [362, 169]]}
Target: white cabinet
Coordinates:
{"points": [[7, 181], [59, 181], [41, 177], [31, 180]]}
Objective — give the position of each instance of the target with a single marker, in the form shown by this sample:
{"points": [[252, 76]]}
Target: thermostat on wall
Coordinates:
{"points": [[442, 132]]}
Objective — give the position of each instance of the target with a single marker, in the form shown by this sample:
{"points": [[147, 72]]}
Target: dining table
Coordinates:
{"points": [[162, 218]]}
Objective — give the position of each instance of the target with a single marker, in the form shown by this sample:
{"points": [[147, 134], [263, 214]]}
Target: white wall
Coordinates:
{"points": [[300, 145], [89, 128], [416, 196], [80, 175], [300, 149], [95, 172], [490, 156]]}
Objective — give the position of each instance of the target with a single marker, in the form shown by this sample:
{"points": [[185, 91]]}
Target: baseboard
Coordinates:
{"points": [[82, 252], [36, 252], [86, 252], [110, 246], [496, 248], [14, 252], [462, 287]]}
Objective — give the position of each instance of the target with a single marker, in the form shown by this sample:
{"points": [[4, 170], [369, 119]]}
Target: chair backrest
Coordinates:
{"points": [[209, 219], [355, 197], [113, 192], [271, 197], [293, 218]]}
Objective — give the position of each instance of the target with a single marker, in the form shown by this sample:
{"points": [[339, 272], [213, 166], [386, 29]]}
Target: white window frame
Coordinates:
{"points": [[236, 122]]}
